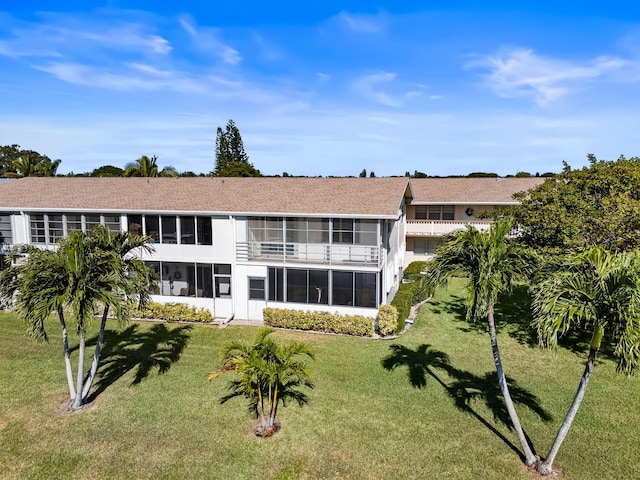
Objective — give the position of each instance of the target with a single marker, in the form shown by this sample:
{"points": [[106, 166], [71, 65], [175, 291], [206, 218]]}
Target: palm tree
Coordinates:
{"points": [[595, 289], [269, 373], [491, 263], [26, 165], [86, 271], [148, 167]]}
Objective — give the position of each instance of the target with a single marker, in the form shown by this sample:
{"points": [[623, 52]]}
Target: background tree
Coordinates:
{"points": [[17, 163], [107, 171], [86, 272], [363, 173], [148, 167], [231, 159], [595, 289], [269, 373], [491, 263], [596, 205]]}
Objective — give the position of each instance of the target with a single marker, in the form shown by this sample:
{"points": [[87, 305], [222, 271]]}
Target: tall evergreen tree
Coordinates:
{"points": [[231, 159]]}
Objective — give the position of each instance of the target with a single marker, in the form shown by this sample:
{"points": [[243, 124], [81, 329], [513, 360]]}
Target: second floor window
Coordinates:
{"points": [[435, 212]]}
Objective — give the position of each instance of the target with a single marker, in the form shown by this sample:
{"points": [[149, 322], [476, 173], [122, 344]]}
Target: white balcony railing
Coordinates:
{"points": [[438, 228], [328, 254]]}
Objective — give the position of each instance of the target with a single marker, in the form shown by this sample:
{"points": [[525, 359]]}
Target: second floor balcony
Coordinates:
{"points": [[438, 228], [327, 254]]}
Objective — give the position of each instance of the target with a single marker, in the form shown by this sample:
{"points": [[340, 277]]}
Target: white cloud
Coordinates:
{"points": [[361, 23], [370, 86], [521, 72], [206, 40]]}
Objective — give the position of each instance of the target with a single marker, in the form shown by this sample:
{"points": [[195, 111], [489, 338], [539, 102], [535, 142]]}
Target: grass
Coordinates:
{"points": [[422, 406]]}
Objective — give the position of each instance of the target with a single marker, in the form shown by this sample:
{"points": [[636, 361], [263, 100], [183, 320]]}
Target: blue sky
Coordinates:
{"points": [[323, 88]]}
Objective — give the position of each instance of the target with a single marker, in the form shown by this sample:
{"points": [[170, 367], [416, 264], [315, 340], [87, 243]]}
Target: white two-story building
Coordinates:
{"points": [[235, 245]]}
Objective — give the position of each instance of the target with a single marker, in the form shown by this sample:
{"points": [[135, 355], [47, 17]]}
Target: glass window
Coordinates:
{"points": [[204, 281], [134, 224], [366, 232], [421, 212], [6, 235], [296, 230], [296, 285], [56, 231], [155, 268], [342, 230], [152, 227], [342, 291], [273, 230], [169, 233], [365, 290], [74, 222], [448, 212], [256, 289], [187, 230], [222, 278], [38, 234], [91, 221], [318, 230], [318, 287], [112, 222], [204, 231], [276, 276]]}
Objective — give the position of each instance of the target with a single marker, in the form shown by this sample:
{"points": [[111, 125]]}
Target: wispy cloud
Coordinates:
{"points": [[372, 86], [360, 23], [206, 39], [521, 72]]}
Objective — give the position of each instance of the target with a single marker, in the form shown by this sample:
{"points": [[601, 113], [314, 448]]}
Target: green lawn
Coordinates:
{"points": [[433, 416]]}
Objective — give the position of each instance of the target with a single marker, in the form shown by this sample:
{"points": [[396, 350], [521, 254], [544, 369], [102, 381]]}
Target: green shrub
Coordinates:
{"points": [[173, 312], [319, 321], [387, 320], [410, 293]]}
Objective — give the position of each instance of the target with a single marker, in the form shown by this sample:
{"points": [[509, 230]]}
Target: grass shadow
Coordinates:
{"points": [[464, 388], [141, 351]]}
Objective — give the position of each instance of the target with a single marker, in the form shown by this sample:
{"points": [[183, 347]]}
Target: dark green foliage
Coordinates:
{"points": [[107, 171], [231, 159], [410, 292], [148, 167], [173, 312], [17, 163], [596, 205]]}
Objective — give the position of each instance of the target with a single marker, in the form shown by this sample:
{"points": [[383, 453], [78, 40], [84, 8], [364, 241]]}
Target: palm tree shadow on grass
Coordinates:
{"points": [[465, 387], [142, 351]]}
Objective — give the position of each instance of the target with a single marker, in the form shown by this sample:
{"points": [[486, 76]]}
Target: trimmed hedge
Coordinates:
{"points": [[173, 312], [387, 320], [409, 294], [319, 321]]}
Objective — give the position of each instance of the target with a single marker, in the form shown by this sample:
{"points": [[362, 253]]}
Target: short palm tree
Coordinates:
{"points": [[86, 271], [148, 167], [491, 263], [269, 372], [596, 289], [26, 165]]}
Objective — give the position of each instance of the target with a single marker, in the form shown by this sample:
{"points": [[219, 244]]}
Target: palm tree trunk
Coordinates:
{"points": [[274, 403], [546, 467], [261, 406], [67, 353], [529, 456], [77, 402], [96, 355]]}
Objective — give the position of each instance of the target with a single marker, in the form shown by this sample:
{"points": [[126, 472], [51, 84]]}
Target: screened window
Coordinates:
{"points": [[74, 222], [256, 289], [134, 224], [265, 229], [204, 231], [307, 286], [342, 291], [187, 230], [38, 232], [343, 230], [276, 284], [56, 229], [112, 222], [169, 232], [312, 230], [204, 281], [152, 227], [91, 221], [6, 235], [435, 212]]}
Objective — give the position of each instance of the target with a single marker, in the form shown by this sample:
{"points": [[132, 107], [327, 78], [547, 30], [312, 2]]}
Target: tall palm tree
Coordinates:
{"points": [[148, 167], [26, 165], [269, 372], [86, 271], [596, 289], [491, 263]]}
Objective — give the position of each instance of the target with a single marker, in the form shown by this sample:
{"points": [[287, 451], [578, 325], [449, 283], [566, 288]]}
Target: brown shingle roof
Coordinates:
{"points": [[314, 196], [470, 190]]}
